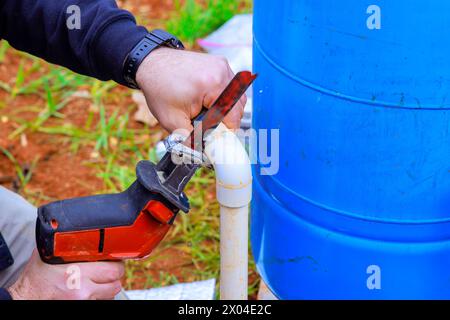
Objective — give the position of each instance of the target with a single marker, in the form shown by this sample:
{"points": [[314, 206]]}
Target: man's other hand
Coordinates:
{"points": [[81, 281], [177, 83]]}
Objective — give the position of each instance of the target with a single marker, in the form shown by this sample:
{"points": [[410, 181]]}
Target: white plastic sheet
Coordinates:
{"points": [[200, 290]]}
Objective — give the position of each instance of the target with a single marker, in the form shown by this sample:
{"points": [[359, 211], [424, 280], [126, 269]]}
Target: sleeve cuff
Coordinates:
{"points": [[4, 294], [113, 45]]}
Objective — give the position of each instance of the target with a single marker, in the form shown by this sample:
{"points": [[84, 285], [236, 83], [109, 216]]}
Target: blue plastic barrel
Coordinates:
{"points": [[360, 91]]}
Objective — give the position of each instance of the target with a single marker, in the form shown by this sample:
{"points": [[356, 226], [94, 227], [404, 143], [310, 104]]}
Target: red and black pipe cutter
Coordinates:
{"points": [[130, 224]]}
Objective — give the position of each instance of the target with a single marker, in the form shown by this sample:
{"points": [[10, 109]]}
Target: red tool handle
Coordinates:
{"points": [[126, 225]]}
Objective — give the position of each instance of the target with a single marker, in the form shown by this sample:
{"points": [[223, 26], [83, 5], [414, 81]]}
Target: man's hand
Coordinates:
{"points": [[177, 83], [98, 280]]}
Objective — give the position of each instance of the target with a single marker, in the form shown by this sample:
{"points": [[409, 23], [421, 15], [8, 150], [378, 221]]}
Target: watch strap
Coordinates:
{"points": [[150, 42]]}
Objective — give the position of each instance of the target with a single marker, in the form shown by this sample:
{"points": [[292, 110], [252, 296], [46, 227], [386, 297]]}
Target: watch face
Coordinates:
{"points": [[177, 44], [167, 39]]}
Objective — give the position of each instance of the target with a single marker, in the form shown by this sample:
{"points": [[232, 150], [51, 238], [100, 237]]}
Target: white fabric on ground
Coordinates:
{"points": [[200, 290]]}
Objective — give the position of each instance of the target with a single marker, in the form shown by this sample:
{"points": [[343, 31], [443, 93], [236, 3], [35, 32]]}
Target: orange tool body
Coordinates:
{"points": [[130, 224]]}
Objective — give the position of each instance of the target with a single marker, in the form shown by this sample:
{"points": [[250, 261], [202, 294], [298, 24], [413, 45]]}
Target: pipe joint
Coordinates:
{"points": [[232, 165]]}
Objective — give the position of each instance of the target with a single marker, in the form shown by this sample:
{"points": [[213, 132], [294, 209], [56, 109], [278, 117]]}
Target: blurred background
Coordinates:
{"points": [[64, 135]]}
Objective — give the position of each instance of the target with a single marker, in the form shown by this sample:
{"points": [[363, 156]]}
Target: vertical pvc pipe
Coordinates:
{"points": [[233, 253], [234, 192]]}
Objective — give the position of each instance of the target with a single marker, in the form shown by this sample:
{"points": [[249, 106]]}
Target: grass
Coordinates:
{"points": [[193, 19], [23, 174], [3, 48], [117, 144]]}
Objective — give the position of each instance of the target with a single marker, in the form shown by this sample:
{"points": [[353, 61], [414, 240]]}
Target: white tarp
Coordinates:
{"points": [[199, 290]]}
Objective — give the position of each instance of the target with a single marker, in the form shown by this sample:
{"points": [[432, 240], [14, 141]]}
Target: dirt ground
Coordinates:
{"points": [[59, 173]]}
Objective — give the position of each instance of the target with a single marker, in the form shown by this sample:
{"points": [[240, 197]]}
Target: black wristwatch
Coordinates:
{"points": [[154, 39]]}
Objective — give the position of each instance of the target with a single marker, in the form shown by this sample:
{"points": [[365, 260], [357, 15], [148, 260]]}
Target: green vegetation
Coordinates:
{"points": [[194, 20]]}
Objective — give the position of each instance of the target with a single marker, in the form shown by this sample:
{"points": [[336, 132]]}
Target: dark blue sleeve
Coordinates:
{"points": [[98, 48], [4, 294], [6, 260]]}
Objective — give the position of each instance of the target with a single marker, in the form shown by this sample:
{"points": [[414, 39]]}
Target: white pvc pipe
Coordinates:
{"points": [[234, 192], [233, 253]]}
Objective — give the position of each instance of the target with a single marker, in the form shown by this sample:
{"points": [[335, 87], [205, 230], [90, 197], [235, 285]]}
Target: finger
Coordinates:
{"points": [[104, 291], [178, 121], [216, 85], [104, 272], [233, 118], [212, 95]]}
